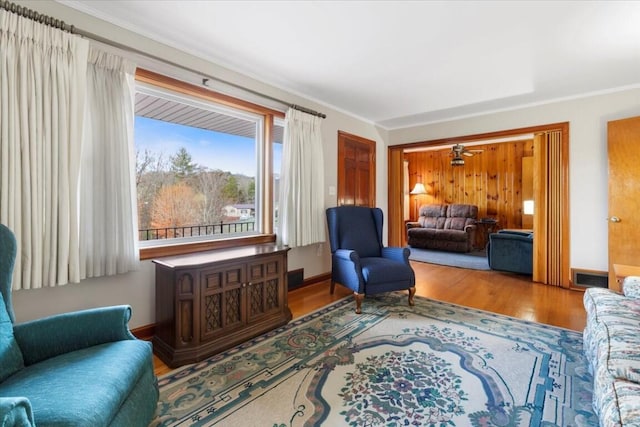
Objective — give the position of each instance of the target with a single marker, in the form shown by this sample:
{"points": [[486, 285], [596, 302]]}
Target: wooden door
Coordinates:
{"points": [[624, 188], [356, 170]]}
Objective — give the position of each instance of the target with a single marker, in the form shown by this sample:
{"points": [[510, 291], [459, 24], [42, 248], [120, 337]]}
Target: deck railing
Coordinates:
{"points": [[196, 230]]}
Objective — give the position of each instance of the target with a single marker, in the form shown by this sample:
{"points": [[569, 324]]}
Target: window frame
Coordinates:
{"points": [[276, 121], [264, 194]]}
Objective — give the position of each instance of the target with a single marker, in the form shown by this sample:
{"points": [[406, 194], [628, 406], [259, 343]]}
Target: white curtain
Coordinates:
{"points": [[66, 153], [42, 92], [301, 212], [108, 216]]}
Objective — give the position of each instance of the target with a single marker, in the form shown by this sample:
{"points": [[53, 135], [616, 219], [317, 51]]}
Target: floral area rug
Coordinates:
{"points": [[434, 364]]}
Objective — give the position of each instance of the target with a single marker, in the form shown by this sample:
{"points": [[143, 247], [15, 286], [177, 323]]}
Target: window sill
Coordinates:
{"points": [[191, 247]]}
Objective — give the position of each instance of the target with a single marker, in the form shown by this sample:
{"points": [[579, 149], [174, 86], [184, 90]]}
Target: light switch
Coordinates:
{"points": [[332, 190]]}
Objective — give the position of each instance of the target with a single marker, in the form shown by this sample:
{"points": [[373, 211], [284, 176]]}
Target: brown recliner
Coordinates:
{"points": [[444, 227]]}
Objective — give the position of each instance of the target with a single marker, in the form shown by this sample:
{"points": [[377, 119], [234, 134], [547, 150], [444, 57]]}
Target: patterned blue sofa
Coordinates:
{"points": [[612, 347]]}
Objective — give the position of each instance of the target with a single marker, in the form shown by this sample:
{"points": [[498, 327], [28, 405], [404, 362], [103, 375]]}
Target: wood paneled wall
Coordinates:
{"points": [[492, 180]]}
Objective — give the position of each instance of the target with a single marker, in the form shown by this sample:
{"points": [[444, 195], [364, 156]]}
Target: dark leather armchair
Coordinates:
{"points": [[511, 251], [359, 260]]}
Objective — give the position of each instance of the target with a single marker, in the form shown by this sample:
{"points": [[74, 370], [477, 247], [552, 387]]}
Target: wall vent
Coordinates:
{"points": [[295, 278], [590, 278]]}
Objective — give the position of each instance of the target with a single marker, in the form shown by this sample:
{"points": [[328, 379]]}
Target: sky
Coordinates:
{"points": [[215, 150]]}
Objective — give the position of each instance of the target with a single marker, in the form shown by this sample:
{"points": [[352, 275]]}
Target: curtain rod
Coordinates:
{"points": [[35, 16], [47, 20]]}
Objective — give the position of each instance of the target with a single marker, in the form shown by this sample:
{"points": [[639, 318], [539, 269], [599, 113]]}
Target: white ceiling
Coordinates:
{"points": [[401, 63]]}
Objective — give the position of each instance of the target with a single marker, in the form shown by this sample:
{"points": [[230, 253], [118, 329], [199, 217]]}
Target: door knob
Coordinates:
{"points": [[614, 219]]}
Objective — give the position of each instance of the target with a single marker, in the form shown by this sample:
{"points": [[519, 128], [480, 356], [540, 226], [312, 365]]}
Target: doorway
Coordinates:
{"points": [[551, 195], [623, 147], [356, 170]]}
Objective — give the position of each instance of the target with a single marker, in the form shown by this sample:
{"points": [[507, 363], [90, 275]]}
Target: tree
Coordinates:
{"points": [[230, 191], [182, 164], [210, 185], [251, 191], [175, 206], [143, 164], [151, 175]]}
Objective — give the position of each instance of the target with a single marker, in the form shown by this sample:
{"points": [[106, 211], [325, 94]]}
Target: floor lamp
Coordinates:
{"points": [[418, 189]]}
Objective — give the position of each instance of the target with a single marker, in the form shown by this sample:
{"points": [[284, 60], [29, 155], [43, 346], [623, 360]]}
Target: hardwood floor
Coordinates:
{"points": [[504, 293]]}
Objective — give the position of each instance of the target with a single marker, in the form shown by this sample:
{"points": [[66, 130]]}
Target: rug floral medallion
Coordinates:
{"points": [[434, 364]]}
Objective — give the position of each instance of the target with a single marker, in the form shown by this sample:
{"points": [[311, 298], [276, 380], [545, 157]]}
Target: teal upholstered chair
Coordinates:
{"points": [[75, 369]]}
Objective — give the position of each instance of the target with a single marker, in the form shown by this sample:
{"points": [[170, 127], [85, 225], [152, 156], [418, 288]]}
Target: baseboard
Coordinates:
{"points": [[316, 279], [145, 333]]}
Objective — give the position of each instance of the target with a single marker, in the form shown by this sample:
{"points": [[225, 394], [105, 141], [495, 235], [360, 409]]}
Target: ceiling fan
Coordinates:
{"points": [[457, 151]]}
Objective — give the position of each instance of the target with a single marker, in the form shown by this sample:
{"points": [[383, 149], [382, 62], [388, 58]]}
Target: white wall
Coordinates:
{"points": [[588, 177], [588, 173], [137, 288]]}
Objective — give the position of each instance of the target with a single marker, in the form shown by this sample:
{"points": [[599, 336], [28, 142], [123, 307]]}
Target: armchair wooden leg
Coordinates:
{"points": [[412, 292], [333, 287], [359, 298]]}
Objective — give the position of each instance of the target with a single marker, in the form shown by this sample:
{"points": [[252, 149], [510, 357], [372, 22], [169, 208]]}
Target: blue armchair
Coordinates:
{"points": [[511, 251], [359, 261], [75, 369]]}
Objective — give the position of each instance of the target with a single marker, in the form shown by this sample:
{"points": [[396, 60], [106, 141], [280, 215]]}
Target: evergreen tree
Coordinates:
{"points": [[230, 191], [182, 164]]}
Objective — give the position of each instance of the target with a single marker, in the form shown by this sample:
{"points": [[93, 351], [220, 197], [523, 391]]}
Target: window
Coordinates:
{"points": [[202, 173]]}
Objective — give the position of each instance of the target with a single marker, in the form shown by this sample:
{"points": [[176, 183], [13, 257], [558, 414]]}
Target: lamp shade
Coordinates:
{"points": [[418, 189], [528, 207]]}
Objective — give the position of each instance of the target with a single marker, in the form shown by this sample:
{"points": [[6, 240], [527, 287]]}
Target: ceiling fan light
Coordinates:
{"points": [[457, 161]]}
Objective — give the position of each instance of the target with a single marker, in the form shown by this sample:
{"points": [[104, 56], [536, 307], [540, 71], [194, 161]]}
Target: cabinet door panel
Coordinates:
{"points": [[185, 313], [221, 300], [265, 286], [256, 299], [211, 315]]}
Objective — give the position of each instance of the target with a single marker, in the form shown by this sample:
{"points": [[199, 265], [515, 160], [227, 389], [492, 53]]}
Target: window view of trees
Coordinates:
{"points": [[200, 164], [177, 197]]}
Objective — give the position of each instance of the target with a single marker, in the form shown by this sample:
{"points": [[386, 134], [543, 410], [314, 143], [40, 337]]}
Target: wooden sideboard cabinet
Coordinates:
{"points": [[210, 301]]}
